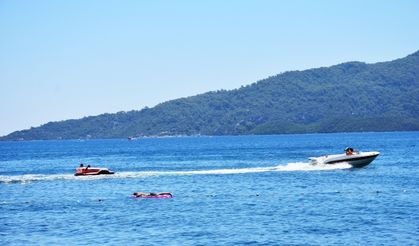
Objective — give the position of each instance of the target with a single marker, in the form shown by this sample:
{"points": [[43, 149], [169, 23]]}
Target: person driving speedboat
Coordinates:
{"points": [[349, 151]]}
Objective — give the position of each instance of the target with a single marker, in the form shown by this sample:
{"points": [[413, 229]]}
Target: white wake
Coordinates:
{"points": [[297, 166]]}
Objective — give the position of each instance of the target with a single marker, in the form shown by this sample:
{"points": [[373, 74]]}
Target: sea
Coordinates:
{"points": [[227, 190]]}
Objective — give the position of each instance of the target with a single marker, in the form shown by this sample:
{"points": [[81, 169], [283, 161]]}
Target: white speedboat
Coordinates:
{"points": [[355, 159]]}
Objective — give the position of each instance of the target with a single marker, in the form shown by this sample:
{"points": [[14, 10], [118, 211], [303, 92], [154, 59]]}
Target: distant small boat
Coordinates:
{"points": [[355, 159], [85, 171]]}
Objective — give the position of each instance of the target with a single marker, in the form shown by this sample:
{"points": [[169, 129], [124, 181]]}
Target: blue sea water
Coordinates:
{"points": [[233, 190]]}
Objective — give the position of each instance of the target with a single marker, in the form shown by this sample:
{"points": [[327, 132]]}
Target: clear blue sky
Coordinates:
{"points": [[69, 59]]}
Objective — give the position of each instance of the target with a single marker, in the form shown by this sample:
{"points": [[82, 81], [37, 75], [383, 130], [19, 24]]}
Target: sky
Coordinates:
{"points": [[70, 59]]}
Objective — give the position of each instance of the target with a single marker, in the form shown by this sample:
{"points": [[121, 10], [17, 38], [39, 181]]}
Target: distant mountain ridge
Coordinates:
{"points": [[348, 97]]}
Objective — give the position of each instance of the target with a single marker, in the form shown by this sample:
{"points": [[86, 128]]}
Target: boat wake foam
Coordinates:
{"points": [[297, 166]]}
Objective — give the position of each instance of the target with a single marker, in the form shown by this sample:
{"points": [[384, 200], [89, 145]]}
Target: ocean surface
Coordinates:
{"points": [[232, 190]]}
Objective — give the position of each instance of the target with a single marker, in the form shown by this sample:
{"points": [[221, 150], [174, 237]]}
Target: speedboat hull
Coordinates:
{"points": [[357, 160]]}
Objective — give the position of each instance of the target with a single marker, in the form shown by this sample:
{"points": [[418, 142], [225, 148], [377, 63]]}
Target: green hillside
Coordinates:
{"points": [[352, 96]]}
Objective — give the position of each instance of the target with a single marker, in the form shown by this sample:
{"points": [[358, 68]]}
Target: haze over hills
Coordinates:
{"points": [[352, 96]]}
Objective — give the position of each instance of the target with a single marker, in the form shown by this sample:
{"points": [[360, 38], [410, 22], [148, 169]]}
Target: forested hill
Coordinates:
{"points": [[352, 96]]}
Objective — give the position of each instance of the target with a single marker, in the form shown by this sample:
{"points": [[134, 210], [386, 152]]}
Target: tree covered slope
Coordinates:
{"points": [[352, 96]]}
